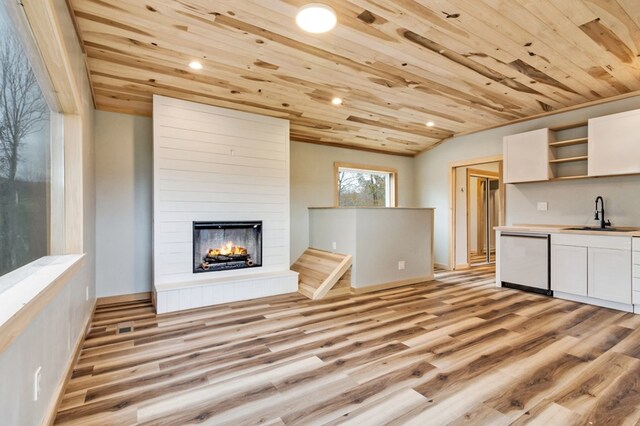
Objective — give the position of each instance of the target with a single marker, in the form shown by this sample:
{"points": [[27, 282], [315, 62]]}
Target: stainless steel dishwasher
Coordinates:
{"points": [[524, 262]]}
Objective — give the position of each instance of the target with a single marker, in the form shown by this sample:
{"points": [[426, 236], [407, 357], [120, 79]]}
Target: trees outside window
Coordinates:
{"points": [[24, 158], [365, 187]]}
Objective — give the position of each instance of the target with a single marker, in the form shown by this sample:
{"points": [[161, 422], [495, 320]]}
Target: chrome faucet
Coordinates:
{"points": [[600, 213]]}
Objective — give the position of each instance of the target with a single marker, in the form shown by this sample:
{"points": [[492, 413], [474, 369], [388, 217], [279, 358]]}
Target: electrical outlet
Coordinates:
{"points": [[86, 293], [37, 378], [334, 245], [543, 206], [401, 265]]}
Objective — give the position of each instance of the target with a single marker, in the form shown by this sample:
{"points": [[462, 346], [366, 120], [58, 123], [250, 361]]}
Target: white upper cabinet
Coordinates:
{"points": [[614, 144], [526, 156]]}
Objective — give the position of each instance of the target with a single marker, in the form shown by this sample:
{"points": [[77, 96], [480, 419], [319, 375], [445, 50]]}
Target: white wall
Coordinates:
{"points": [[48, 342], [129, 189], [377, 238], [124, 167], [432, 179], [312, 180], [312, 183], [573, 202]]}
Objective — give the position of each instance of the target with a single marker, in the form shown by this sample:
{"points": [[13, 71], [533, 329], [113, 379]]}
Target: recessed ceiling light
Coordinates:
{"points": [[195, 65], [430, 124], [336, 101], [316, 18]]}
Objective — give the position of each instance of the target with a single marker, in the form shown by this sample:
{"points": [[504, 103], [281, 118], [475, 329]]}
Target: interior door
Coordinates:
{"points": [[493, 214], [478, 220], [483, 215], [472, 244]]}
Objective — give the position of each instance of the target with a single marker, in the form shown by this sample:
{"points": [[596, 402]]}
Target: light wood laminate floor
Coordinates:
{"points": [[453, 351]]}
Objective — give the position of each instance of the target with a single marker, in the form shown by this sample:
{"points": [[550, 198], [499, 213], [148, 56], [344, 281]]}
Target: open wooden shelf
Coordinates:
{"points": [[569, 126], [569, 159], [568, 147], [569, 177], [568, 142]]}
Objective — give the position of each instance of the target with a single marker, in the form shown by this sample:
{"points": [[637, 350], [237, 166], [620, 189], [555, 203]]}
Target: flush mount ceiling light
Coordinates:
{"points": [[316, 18], [195, 65], [430, 124], [336, 101]]}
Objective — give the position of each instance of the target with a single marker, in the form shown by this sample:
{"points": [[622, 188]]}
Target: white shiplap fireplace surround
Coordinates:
{"points": [[215, 164]]}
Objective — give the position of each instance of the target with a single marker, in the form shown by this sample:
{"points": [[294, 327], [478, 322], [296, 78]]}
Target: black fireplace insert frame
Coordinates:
{"points": [[199, 226]]}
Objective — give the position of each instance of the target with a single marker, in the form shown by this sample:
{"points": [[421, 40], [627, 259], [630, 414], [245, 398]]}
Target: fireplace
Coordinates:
{"points": [[222, 246]]}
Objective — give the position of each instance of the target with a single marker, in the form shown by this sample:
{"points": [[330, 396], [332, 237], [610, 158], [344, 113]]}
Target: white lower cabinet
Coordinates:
{"points": [[569, 269], [610, 274], [592, 266]]}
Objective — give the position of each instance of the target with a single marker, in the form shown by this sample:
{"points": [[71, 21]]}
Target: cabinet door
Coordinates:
{"points": [[569, 269], [610, 274], [526, 156], [614, 144]]}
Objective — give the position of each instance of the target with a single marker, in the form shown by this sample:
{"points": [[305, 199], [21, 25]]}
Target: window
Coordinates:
{"points": [[24, 156], [365, 186]]}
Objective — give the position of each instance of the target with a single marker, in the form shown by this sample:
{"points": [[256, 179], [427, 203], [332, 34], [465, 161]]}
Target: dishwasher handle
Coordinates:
{"points": [[540, 236]]}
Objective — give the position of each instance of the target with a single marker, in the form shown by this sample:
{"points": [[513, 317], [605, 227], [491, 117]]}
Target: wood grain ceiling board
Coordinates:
{"points": [[466, 65]]}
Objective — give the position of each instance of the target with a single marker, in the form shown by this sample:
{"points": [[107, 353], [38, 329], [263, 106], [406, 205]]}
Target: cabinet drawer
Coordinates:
{"points": [[636, 244], [636, 284], [636, 297], [636, 257], [619, 243], [636, 271]]}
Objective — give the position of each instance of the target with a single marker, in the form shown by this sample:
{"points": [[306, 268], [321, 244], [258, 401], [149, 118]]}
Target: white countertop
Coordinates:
{"points": [[627, 231], [372, 208]]}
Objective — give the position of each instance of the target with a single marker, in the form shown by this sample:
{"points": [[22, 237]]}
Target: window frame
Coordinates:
{"points": [[392, 182], [41, 280], [19, 24]]}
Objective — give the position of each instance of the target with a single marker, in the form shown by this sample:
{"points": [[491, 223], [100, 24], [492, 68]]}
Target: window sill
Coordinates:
{"points": [[29, 289]]}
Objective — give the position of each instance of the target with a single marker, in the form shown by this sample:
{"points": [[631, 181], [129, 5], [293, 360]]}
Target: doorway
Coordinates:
{"points": [[483, 191], [477, 206]]}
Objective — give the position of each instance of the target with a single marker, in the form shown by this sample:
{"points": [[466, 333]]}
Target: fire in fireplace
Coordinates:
{"points": [[221, 246]]}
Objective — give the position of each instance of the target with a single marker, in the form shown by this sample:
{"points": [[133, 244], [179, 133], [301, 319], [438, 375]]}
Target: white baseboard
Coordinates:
{"points": [[592, 301], [442, 266], [392, 284]]}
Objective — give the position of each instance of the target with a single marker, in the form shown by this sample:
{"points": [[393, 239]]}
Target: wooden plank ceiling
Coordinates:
{"points": [[466, 65]]}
